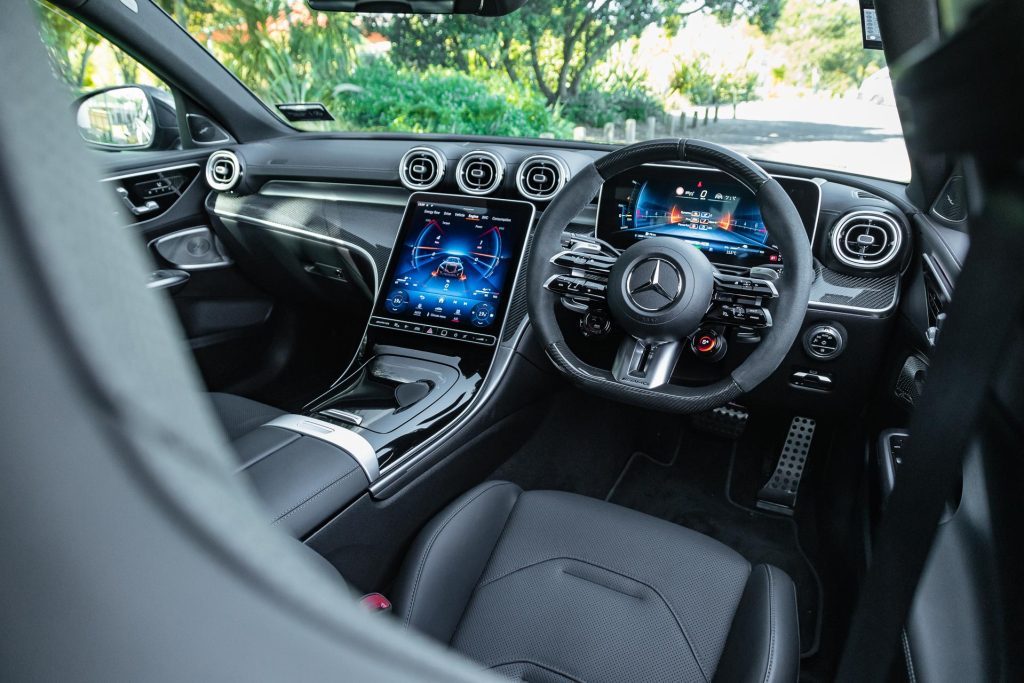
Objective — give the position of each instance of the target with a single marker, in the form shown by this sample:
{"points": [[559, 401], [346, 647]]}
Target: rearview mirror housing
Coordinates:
{"points": [[491, 8]]}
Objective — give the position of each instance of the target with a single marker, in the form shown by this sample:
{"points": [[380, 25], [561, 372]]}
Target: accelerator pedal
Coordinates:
{"points": [[779, 494], [727, 422]]}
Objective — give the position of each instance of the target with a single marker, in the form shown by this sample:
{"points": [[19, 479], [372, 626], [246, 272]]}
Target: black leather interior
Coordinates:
{"points": [[552, 586], [301, 480]]}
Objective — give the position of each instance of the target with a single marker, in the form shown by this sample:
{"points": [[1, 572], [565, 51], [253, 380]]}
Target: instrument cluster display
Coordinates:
{"points": [[453, 266], [706, 208]]}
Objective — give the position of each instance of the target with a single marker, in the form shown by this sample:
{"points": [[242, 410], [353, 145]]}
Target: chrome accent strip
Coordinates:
{"points": [[378, 195], [442, 162], [224, 263], [499, 172], [136, 174], [305, 233], [350, 442], [343, 415], [563, 176]]}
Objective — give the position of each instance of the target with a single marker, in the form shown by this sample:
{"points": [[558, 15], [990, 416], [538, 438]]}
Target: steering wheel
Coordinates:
{"points": [[661, 290]]}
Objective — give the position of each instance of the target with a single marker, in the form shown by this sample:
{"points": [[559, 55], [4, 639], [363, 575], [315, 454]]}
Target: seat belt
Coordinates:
{"points": [[987, 307]]}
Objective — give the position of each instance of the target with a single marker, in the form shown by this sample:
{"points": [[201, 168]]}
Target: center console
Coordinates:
{"points": [[436, 326]]}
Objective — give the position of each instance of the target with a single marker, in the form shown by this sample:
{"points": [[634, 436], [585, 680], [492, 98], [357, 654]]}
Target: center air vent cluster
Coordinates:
{"points": [[422, 168], [223, 171], [866, 239], [540, 177], [479, 173]]}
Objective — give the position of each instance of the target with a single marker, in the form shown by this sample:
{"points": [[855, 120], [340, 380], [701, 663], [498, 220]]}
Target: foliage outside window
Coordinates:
{"points": [[791, 74]]}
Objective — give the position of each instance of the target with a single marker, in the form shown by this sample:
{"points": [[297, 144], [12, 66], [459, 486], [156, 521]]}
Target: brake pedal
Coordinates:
{"points": [[728, 421], [779, 494]]}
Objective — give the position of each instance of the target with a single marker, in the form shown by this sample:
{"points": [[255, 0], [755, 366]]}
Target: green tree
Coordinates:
{"points": [[552, 44], [824, 41], [69, 44]]}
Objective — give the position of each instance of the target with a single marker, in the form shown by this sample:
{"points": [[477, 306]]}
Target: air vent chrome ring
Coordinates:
{"points": [[421, 168], [867, 240], [541, 176], [223, 170], [479, 172]]}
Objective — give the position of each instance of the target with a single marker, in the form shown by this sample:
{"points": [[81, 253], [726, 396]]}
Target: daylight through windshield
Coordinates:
{"points": [[781, 80]]}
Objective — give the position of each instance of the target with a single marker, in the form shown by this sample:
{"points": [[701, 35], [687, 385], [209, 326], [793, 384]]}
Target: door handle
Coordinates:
{"points": [[171, 280], [148, 207]]}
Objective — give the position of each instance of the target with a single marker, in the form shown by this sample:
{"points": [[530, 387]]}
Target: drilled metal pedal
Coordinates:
{"points": [[779, 494], [728, 422]]}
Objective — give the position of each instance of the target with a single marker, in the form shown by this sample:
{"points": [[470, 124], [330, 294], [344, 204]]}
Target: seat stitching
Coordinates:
{"points": [[316, 494], [771, 625], [537, 664], [671, 611], [430, 546]]}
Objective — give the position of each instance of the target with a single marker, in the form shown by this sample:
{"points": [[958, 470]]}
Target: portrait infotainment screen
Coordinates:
{"points": [[453, 267]]}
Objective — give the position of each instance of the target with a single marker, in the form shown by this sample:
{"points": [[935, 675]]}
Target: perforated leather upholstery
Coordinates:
{"points": [[553, 586]]}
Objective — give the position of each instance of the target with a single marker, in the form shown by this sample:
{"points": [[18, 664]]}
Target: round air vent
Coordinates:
{"points": [[421, 168], [479, 173], [540, 177], [866, 239], [223, 171]]}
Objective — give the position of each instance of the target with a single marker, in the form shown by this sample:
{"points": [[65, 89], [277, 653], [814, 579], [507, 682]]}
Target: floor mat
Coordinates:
{"points": [[691, 488]]}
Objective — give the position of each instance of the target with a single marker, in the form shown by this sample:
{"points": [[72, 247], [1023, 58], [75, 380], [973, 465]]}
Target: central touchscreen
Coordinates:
{"points": [[453, 267]]}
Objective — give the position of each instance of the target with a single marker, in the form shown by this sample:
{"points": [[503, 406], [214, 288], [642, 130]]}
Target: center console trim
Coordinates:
{"points": [[352, 443]]}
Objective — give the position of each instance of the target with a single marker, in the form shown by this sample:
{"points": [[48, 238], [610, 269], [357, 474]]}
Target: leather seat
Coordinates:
{"points": [[552, 586]]}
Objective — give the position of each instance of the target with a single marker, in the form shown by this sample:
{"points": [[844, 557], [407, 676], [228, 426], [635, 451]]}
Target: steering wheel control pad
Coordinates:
{"points": [[660, 289]]}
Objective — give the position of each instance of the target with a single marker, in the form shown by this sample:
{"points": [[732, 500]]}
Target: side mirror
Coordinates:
{"points": [[119, 118]]}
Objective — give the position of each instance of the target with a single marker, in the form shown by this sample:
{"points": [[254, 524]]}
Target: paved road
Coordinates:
{"points": [[846, 135]]}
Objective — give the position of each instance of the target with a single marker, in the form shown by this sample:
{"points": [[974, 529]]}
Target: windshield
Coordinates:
{"points": [[782, 80]]}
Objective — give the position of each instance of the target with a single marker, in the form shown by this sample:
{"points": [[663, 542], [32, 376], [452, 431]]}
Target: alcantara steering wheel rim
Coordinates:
{"points": [[783, 223]]}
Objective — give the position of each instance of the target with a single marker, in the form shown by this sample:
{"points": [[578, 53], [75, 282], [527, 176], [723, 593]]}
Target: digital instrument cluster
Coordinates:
{"points": [[706, 208], [453, 267]]}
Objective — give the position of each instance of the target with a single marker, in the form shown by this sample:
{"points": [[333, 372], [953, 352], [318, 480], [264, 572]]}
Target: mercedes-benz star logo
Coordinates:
{"points": [[654, 284]]}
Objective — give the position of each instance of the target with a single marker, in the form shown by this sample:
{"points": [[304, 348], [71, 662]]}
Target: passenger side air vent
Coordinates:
{"points": [[421, 168], [479, 173], [866, 239], [223, 171], [540, 177]]}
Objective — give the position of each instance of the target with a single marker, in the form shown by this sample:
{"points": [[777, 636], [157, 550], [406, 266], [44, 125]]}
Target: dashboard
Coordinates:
{"points": [[453, 267], [703, 207]]}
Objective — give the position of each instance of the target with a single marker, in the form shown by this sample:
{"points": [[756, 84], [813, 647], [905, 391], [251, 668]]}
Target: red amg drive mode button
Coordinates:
{"points": [[706, 343]]}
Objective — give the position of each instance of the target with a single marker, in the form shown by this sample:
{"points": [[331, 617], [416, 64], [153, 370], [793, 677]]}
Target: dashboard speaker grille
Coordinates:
{"points": [[541, 176], [479, 173], [421, 168], [223, 171], [866, 239]]}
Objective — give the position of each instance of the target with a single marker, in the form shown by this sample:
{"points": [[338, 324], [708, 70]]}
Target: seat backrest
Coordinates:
{"points": [[130, 550]]}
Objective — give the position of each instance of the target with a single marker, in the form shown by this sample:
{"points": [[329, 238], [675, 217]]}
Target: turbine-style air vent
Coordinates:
{"points": [[422, 168], [479, 173], [866, 239], [223, 171], [541, 176]]}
